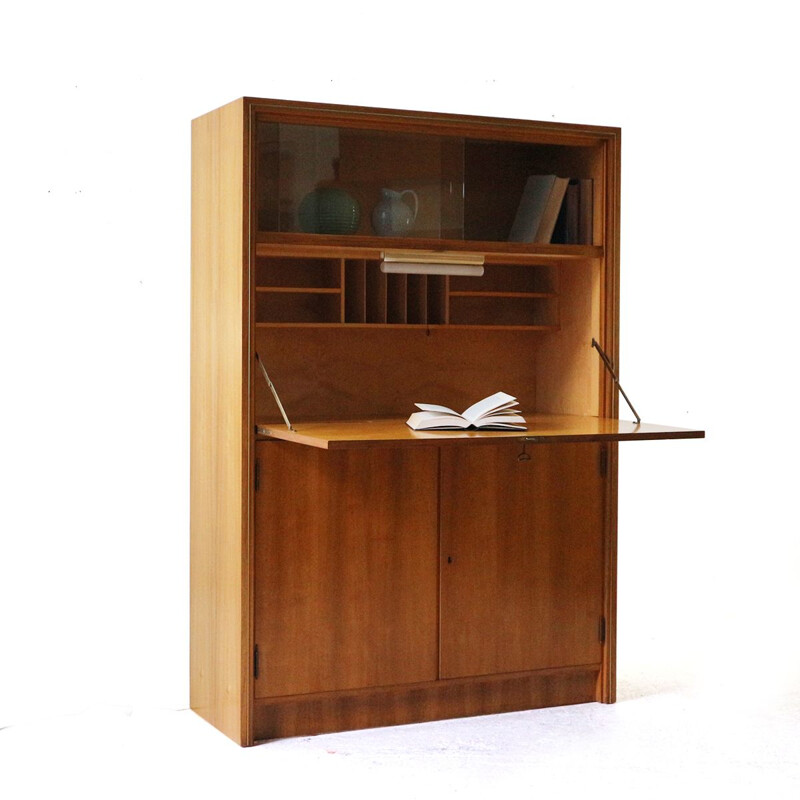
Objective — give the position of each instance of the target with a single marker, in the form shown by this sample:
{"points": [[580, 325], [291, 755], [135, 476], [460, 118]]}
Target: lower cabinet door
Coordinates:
{"points": [[522, 558], [346, 568]]}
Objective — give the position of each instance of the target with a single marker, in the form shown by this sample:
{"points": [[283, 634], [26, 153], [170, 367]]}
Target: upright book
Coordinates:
{"points": [[574, 224], [538, 209]]}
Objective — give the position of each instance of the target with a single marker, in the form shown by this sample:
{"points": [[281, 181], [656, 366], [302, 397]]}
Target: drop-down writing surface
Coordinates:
{"points": [[541, 428]]}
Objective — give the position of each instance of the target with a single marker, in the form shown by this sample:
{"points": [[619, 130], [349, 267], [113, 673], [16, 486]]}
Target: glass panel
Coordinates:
{"points": [[497, 176], [314, 179], [349, 181]]}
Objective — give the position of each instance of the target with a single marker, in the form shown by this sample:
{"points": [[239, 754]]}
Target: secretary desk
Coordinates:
{"points": [[347, 263]]}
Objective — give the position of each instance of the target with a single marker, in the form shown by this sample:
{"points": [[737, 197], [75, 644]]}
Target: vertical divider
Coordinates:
{"points": [[342, 291], [437, 300], [396, 294], [376, 293], [355, 292], [555, 287], [417, 309]]}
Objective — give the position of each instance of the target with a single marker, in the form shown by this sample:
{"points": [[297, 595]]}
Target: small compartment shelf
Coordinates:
{"points": [[507, 296], [299, 273], [298, 306], [354, 291], [504, 310], [299, 291]]}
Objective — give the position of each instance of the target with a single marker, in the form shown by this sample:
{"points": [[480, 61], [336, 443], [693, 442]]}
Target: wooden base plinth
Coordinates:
{"points": [[371, 708]]}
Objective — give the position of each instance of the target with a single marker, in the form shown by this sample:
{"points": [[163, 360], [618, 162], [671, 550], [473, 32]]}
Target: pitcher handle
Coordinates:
{"points": [[416, 200]]}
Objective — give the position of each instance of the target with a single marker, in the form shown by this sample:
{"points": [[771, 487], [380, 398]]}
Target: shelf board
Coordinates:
{"points": [[371, 247], [503, 294], [298, 289], [408, 325], [542, 429]]}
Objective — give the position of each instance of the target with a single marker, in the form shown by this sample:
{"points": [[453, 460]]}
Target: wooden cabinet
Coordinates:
{"points": [[346, 570]]}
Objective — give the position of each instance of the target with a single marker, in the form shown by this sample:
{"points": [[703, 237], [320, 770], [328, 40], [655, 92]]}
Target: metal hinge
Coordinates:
{"points": [[255, 662], [602, 630], [257, 470]]}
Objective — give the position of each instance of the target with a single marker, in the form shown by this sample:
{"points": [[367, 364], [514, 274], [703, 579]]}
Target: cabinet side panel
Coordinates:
{"points": [[218, 405], [568, 368], [607, 689]]}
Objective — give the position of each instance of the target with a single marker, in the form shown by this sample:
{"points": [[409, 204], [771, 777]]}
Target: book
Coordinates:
{"points": [[566, 230], [538, 209], [585, 211], [552, 208], [495, 412]]}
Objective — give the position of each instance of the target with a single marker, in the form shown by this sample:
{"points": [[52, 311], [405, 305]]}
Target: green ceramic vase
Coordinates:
{"points": [[329, 210]]}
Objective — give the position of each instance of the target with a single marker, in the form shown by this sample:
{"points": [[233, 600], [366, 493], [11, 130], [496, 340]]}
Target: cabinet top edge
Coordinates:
{"points": [[367, 114]]}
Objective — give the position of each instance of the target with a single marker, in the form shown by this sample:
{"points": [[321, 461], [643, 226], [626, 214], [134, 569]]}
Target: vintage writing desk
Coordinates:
{"points": [[349, 572]]}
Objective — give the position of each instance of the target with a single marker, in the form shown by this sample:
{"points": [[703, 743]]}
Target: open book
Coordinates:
{"points": [[492, 413]]}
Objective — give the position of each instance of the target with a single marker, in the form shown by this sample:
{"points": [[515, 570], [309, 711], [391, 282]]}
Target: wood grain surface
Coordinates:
{"points": [[219, 649], [345, 568], [522, 558]]}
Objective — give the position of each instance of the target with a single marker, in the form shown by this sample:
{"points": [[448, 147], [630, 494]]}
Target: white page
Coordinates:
{"points": [[437, 409], [428, 420], [495, 402], [503, 421]]}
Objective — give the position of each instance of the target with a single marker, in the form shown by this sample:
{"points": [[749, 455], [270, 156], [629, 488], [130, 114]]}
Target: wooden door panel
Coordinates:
{"points": [[345, 568], [521, 559]]}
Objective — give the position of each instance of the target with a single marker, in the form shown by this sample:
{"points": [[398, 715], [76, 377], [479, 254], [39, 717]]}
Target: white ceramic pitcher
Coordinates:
{"points": [[392, 216]]}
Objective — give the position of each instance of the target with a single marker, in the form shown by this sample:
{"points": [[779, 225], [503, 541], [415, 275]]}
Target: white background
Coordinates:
{"points": [[94, 308]]}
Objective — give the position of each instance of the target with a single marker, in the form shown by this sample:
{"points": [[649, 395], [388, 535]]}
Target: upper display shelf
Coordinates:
{"points": [[327, 180]]}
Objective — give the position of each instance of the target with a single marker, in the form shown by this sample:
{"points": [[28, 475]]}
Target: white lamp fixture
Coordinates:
{"points": [[421, 262]]}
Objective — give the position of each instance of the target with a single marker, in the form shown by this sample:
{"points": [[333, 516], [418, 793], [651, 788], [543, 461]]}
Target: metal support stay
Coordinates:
{"points": [[274, 393], [610, 368]]}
